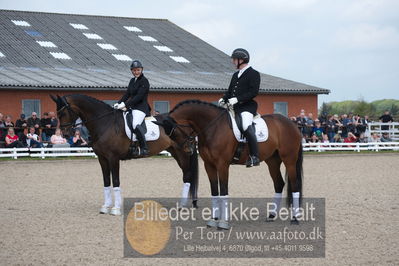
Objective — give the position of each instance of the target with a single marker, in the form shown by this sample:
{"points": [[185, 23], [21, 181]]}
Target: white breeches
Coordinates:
{"points": [[138, 117], [247, 119]]}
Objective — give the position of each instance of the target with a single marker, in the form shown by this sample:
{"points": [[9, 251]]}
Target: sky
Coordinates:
{"points": [[350, 47]]}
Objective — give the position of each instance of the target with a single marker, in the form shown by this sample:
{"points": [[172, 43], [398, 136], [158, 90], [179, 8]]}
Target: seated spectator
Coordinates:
{"points": [[374, 137], [338, 138], [326, 139], [34, 121], [8, 122], [318, 130], [362, 138], [12, 140], [351, 138], [45, 124], [83, 130], [314, 139], [57, 138], [32, 139], [385, 137], [77, 140], [20, 125]]}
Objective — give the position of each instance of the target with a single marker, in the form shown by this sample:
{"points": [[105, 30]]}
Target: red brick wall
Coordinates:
{"points": [[11, 100]]}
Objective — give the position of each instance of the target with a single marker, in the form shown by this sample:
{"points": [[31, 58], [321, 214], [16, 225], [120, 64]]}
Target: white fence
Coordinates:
{"points": [[51, 152], [370, 146], [393, 129]]}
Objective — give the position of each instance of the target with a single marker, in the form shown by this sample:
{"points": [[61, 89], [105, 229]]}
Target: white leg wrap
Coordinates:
{"points": [[117, 197], [276, 203], [224, 208], [215, 207], [184, 195], [295, 203], [107, 197]]}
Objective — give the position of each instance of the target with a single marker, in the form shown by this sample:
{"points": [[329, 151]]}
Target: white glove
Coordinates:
{"points": [[116, 105], [221, 102], [121, 106], [233, 101]]}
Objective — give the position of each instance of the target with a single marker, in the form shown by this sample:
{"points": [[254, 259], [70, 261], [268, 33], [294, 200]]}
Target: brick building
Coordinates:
{"points": [[47, 53]]}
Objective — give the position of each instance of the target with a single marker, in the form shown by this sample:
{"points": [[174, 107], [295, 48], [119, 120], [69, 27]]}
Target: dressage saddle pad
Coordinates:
{"points": [[152, 129], [262, 132]]}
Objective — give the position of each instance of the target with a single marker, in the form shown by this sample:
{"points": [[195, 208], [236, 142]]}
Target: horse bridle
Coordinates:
{"points": [[70, 110]]}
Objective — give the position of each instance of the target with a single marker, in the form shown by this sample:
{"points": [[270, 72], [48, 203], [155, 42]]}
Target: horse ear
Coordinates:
{"points": [[53, 98]]}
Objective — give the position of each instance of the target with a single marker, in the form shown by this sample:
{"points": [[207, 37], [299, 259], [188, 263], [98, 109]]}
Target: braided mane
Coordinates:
{"points": [[198, 102]]}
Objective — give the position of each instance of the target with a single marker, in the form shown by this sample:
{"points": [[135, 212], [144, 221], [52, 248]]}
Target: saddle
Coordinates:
{"points": [[261, 132], [151, 130]]}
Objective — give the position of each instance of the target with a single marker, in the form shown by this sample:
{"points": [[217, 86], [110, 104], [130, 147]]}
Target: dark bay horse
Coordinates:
{"points": [[217, 145], [110, 143]]}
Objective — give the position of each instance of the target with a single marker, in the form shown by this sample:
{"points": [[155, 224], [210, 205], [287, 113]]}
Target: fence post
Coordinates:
{"points": [[357, 146], [42, 153], [14, 153]]}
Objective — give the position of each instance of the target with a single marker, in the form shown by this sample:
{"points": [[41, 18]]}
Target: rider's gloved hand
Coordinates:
{"points": [[116, 105], [221, 102], [121, 106], [233, 101]]}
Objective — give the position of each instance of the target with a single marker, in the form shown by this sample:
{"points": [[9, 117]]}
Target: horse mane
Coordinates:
{"points": [[90, 99], [194, 101]]}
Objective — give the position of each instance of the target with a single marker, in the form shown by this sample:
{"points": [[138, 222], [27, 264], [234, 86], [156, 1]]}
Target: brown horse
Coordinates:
{"points": [[110, 143], [217, 145]]}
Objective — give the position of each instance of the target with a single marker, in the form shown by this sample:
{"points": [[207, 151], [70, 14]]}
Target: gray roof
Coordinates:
{"points": [[27, 64]]}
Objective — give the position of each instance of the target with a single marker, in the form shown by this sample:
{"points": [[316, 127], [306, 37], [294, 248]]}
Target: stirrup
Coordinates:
{"points": [[253, 161]]}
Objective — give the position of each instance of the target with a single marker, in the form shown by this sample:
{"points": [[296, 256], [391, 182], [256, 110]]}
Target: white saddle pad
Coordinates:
{"points": [[262, 132], [152, 129]]}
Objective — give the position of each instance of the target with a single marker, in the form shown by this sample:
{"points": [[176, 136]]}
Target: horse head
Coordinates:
{"points": [[65, 113]]}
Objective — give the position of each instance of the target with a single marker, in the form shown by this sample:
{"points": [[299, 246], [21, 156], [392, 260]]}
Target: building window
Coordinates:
{"points": [[161, 106], [110, 102], [29, 106], [281, 108]]}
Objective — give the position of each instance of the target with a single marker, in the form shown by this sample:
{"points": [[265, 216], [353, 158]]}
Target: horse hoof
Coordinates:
{"points": [[195, 205], [104, 209], [271, 218], [223, 225], [294, 221], [115, 211], [212, 223]]}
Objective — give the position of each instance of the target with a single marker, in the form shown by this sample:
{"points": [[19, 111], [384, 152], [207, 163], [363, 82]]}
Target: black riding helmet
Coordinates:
{"points": [[136, 64], [241, 53]]}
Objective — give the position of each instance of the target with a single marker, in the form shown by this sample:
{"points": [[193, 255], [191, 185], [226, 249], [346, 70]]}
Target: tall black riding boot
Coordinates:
{"points": [[141, 138], [253, 159]]}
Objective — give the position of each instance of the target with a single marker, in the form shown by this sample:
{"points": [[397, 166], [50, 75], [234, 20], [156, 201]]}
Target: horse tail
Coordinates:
{"points": [[299, 178], [194, 176]]}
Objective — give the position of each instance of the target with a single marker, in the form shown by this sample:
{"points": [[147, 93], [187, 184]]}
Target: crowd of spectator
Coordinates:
{"points": [[346, 128], [36, 132]]}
